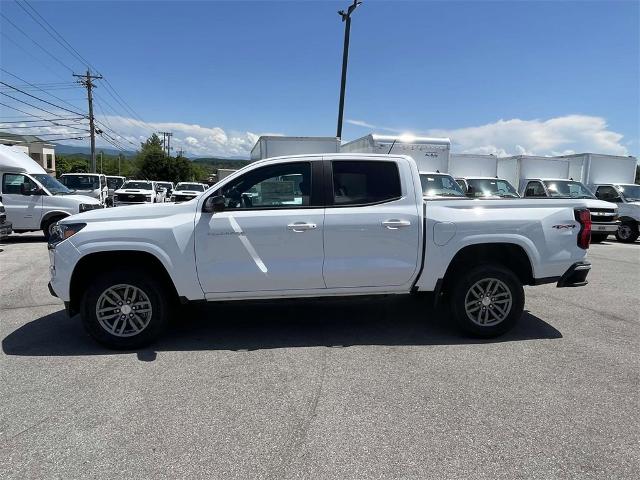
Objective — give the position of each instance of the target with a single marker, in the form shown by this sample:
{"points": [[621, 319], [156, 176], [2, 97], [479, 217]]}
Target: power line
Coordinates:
{"points": [[35, 116], [34, 85], [27, 103], [57, 37], [38, 98], [39, 61], [40, 46], [31, 121], [87, 81]]}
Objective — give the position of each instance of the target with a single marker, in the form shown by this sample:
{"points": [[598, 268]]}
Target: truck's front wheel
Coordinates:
{"points": [[125, 309], [487, 301], [627, 232]]}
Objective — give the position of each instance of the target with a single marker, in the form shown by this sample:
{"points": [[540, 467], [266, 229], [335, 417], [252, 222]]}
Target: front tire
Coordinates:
{"points": [[125, 309], [627, 232], [487, 301], [47, 226]]}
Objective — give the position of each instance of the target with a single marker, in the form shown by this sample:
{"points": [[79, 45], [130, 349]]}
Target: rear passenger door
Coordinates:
{"points": [[372, 224]]}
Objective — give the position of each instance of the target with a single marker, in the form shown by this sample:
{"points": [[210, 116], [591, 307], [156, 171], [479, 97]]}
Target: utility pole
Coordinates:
{"points": [[166, 141], [119, 158], [101, 161], [346, 17], [87, 81]]}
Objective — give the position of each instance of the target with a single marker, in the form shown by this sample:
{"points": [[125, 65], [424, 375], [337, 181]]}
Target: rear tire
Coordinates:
{"points": [[598, 237], [125, 309], [627, 232], [487, 301]]}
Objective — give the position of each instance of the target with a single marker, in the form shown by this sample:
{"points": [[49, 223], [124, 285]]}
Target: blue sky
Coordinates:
{"points": [[562, 76]]}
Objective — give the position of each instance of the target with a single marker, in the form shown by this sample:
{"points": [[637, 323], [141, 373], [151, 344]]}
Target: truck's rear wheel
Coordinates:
{"points": [[627, 232], [125, 309], [487, 301]]}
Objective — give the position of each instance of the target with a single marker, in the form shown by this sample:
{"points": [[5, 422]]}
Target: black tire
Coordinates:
{"points": [[48, 223], [598, 237], [156, 294], [461, 294], [627, 232]]}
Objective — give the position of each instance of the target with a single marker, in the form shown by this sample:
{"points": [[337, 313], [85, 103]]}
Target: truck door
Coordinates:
{"points": [[372, 224], [24, 211], [269, 235]]}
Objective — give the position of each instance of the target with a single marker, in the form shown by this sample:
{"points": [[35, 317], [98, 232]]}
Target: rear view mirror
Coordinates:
{"points": [[215, 203]]}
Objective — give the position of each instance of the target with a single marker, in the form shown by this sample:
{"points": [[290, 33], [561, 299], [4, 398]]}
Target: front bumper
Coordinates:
{"points": [[605, 227], [575, 276], [5, 230]]}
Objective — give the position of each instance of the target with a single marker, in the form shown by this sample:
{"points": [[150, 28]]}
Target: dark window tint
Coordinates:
{"points": [[534, 189], [607, 193], [11, 183], [365, 182]]}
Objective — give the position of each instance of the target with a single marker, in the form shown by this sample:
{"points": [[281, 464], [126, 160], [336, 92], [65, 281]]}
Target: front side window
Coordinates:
{"points": [[286, 185], [114, 183], [608, 193], [11, 183], [365, 182], [534, 189]]}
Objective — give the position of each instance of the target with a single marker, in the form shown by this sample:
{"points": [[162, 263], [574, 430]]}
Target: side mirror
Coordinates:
{"points": [[214, 204]]}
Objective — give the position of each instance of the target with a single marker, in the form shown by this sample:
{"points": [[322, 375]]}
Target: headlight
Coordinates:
{"points": [[62, 231], [86, 206]]}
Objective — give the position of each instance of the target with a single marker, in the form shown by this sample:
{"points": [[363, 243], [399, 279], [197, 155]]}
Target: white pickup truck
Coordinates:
{"points": [[309, 226]]}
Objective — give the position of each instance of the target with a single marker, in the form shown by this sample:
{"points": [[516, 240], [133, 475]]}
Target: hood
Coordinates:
{"points": [[79, 199], [133, 212], [590, 203]]}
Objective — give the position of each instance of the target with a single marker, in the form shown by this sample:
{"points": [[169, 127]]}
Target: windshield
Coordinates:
{"points": [[51, 184], [567, 189], [138, 185], [631, 193], [114, 183], [81, 182], [190, 186], [486, 187], [435, 185]]}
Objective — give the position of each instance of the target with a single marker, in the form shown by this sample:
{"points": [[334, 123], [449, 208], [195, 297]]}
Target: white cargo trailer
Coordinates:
{"points": [[473, 165], [595, 168], [277, 146], [431, 154]]}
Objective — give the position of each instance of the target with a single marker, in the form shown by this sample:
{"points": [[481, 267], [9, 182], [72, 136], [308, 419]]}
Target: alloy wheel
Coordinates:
{"points": [[123, 310], [488, 302]]}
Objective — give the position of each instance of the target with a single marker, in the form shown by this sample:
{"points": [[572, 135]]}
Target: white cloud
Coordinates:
{"points": [[555, 136]]}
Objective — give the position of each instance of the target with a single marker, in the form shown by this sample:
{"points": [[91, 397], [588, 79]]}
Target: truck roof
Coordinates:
{"points": [[18, 161]]}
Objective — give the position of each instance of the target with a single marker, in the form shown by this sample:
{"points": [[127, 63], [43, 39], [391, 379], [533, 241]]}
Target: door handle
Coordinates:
{"points": [[300, 227], [395, 224]]}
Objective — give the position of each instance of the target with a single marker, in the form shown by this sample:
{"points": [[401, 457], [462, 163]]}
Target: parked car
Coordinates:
{"points": [[34, 200], [168, 190], [5, 226], [487, 187], [310, 226], [604, 215], [439, 185], [89, 184], [186, 191], [134, 192], [114, 182], [627, 197]]}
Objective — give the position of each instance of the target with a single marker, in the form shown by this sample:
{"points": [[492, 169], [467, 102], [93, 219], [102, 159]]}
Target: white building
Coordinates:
{"points": [[42, 152]]}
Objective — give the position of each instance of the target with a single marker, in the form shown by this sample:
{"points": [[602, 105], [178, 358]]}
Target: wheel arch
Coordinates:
{"points": [[53, 214], [508, 255], [91, 263]]}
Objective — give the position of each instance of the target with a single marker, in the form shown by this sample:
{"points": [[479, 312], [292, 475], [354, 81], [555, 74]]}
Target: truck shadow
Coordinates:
{"points": [[276, 324]]}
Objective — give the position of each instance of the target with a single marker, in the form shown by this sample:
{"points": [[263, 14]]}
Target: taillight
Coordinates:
{"points": [[583, 217]]}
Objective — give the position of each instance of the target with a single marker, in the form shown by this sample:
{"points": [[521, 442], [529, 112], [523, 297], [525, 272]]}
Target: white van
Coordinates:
{"points": [[89, 184], [34, 200]]}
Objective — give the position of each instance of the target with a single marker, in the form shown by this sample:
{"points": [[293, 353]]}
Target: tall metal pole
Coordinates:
{"points": [[346, 17], [119, 158]]}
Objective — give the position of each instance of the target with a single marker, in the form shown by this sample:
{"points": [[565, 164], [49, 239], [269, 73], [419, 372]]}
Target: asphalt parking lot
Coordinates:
{"points": [[380, 388]]}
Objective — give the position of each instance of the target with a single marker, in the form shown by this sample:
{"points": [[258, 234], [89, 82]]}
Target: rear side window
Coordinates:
{"points": [[365, 182]]}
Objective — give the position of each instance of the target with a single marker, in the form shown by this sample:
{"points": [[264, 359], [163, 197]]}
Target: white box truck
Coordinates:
{"points": [[430, 154], [473, 165], [594, 168], [276, 146]]}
